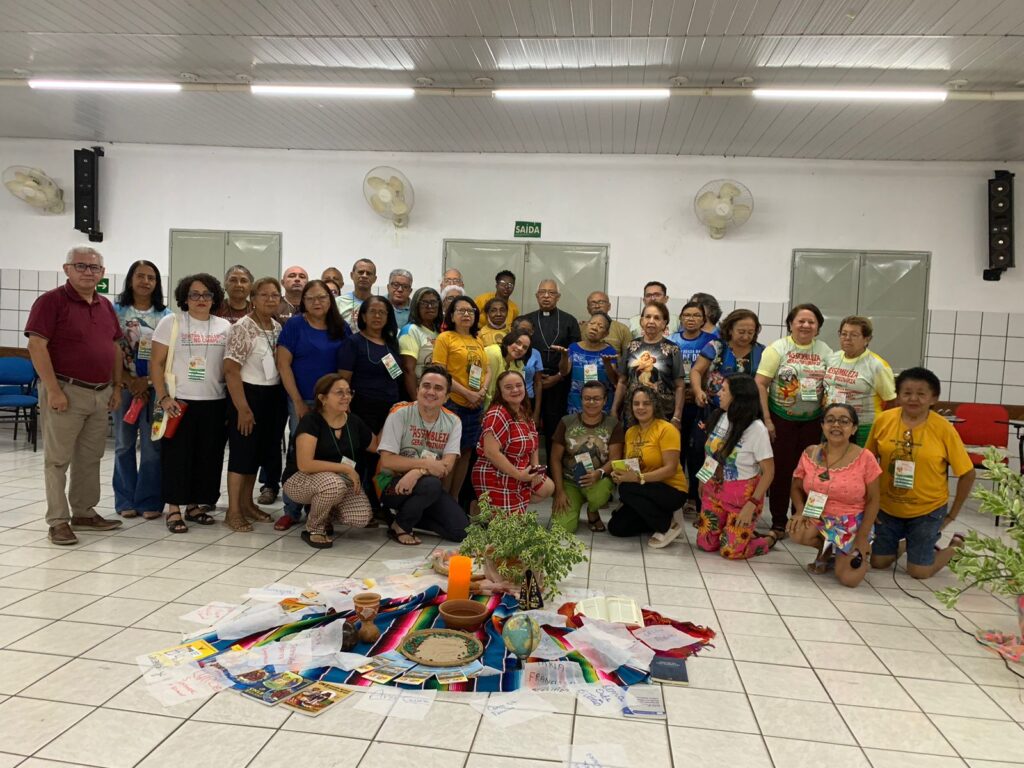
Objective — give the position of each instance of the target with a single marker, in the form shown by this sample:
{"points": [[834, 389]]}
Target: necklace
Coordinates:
{"points": [[828, 465], [558, 329]]}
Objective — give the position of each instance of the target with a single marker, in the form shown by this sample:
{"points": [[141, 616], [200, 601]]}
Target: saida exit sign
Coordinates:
{"points": [[527, 229]]}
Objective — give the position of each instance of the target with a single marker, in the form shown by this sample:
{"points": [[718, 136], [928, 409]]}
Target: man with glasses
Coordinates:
{"points": [[618, 333], [653, 291], [553, 331], [293, 281], [452, 277], [399, 293], [73, 340], [504, 285], [364, 275]]}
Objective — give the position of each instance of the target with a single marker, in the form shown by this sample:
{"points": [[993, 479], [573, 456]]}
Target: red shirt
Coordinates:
{"points": [[80, 334]]}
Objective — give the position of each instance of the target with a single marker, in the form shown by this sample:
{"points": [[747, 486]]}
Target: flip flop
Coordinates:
{"points": [[396, 536], [308, 538]]}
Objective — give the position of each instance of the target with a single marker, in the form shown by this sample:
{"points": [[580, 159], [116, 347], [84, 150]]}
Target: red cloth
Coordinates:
{"points": [[80, 334]]}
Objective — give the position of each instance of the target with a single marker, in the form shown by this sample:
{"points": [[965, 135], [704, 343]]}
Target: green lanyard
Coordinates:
{"points": [[348, 432]]}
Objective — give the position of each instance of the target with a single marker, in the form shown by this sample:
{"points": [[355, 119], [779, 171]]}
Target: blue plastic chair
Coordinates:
{"points": [[18, 396]]}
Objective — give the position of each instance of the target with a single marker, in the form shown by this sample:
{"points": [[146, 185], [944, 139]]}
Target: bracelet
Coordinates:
{"points": [[677, 418], [601, 470], [642, 481]]}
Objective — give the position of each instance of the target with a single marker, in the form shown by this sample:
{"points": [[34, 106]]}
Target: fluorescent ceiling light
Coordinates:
{"points": [[578, 94], [339, 91], [841, 94], [102, 85]]}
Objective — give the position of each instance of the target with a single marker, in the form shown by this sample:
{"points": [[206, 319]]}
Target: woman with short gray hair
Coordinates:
{"points": [[238, 282]]}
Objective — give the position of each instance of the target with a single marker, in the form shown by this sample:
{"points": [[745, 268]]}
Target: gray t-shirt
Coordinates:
{"points": [[406, 434]]}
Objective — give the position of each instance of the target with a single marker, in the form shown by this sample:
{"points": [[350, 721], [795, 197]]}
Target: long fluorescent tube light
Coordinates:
{"points": [[102, 85], [581, 94], [338, 91], [841, 94]]}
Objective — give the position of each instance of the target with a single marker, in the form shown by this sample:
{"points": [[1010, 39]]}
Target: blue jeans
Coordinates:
{"points": [[136, 486], [921, 533], [292, 508]]}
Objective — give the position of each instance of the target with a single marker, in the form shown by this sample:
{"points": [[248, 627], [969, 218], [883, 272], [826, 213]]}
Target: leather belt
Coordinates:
{"points": [[83, 384]]}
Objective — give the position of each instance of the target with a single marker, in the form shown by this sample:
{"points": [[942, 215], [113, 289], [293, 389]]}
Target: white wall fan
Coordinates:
{"points": [[35, 188], [390, 194], [721, 205]]}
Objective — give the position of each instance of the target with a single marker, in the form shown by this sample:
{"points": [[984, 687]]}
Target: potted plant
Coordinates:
{"points": [[986, 561], [509, 544]]}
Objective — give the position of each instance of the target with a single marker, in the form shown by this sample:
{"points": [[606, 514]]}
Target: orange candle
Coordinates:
{"points": [[460, 571]]}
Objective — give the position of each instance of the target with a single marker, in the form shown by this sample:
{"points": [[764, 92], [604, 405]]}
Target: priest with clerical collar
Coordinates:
{"points": [[553, 331]]}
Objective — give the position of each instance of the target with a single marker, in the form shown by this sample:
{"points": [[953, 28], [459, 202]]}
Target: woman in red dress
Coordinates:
{"points": [[506, 468]]}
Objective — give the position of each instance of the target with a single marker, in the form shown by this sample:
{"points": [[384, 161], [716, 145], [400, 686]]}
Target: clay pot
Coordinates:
{"points": [[464, 615]]}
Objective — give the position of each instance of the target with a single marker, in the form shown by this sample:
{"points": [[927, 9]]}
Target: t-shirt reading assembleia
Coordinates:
{"points": [[796, 371], [406, 433]]}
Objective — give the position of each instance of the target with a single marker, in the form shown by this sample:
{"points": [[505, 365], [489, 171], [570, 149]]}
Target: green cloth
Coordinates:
{"points": [[596, 497]]}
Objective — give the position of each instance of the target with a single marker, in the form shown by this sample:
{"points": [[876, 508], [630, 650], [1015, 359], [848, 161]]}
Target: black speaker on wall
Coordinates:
{"points": [[1000, 225], [87, 192]]}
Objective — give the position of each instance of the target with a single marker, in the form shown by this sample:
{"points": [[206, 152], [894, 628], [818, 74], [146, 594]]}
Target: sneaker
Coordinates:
{"points": [[62, 534], [267, 495]]}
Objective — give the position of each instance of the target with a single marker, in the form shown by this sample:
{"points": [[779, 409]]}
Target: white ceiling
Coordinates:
{"points": [[919, 43]]}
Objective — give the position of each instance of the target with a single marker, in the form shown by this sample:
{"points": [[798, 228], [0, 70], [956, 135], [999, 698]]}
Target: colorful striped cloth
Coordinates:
{"points": [[400, 616]]}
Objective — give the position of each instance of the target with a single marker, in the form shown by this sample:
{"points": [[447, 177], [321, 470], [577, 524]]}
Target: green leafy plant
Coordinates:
{"points": [[988, 562], [515, 543]]}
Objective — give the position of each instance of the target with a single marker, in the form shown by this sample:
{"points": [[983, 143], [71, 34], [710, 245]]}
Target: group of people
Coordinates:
{"points": [[397, 407]]}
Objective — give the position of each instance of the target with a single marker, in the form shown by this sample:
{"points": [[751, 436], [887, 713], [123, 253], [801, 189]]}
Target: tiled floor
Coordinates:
{"points": [[803, 672]]}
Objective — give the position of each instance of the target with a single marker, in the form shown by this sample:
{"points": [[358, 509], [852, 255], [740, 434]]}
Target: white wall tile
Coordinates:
{"points": [[962, 393], [22, 319], [1015, 326], [727, 306], [9, 278], [770, 333], [770, 312], [27, 298], [940, 345], [28, 279], [992, 348], [1015, 349], [968, 322], [9, 338], [942, 321], [994, 324], [966, 346], [943, 367], [988, 393], [8, 299], [1013, 374], [990, 371], [9, 319], [49, 280], [1013, 395], [965, 370]]}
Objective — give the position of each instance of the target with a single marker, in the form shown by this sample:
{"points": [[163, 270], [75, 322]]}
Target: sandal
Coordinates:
{"points": [[774, 538], [176, 525], [322, 541], [779, 534], [397, 536], [202, 518], [596, 524], [659, 540], [256, 515]]}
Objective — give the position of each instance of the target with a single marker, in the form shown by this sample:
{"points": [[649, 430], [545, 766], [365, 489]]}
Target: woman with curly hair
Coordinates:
{"points": [[192, 460]]}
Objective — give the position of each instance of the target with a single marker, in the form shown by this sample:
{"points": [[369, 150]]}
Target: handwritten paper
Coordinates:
{"points": [[507, 710], [256, 619], [345, 586], [548, 649], [410, 564], [211, 613], [604, 699], [559, 676], [336, 601], [550, 618], [662, 637], [283, 656], [274, 592], [412, 704], [595, 756], [186, 683], [378, 699]]}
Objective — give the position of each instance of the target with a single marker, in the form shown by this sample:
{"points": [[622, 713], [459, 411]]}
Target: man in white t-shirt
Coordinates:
{"points": [[419, 444]]}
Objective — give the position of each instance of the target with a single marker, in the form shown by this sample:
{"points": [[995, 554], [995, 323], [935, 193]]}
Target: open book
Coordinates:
{"points": [[621, 609]]}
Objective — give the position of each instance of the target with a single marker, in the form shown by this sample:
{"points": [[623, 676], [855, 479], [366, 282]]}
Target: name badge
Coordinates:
{"points": [[707, 471], [196, 368], [837, 396], [269, 366], [586, 460], [426, 453], [903, 474], [393, 368], [348, 462], [809, 389], [589, 372], [475, 376], [815, 505], [145, 349]]}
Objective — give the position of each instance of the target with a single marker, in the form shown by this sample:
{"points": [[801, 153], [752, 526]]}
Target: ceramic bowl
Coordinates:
{"points": [[464, 615]]}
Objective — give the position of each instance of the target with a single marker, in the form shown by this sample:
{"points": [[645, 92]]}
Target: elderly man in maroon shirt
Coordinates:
{"points": [[72, 339]]}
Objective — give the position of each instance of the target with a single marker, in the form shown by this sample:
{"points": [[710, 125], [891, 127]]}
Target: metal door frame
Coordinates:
{"points": [[172, 230], [527, 242]]}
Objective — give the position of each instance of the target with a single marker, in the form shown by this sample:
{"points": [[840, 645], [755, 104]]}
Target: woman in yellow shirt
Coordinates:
{"points": [[653, 486], [915, 448], [461, 353]]}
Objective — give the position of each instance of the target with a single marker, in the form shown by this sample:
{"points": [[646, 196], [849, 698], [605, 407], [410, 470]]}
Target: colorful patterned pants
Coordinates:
{"points": [[717, 530], [332, 499]]}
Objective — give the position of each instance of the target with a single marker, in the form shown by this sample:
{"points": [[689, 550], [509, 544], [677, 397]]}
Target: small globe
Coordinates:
{"points": [[521, 635]]}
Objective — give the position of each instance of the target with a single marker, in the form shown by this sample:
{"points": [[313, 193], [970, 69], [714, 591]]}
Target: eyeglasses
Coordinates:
{"points": [[452, 281], [547, 292], [429, 303], [463, 311], [400, 287], [599, 302], [342, 392], [318, 298], [843, 421], [654, 296], [506, 284], [845, 335], [692, 316], [594, 399], [269, 296], [196, 296], [94, 268], [377, 312]]}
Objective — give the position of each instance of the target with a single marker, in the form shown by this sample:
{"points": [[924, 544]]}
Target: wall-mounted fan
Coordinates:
{"points": [[723, 204], [35, 188], [390, 194]]}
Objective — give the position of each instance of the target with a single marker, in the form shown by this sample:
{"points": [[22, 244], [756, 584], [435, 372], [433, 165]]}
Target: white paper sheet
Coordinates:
{"points": [[548, 649], [410, 564], [663, 637], [604, 699], [412, 704], [558, 676], [210, 614], [511, 709], [542, 617], [595, 756], [349, 661], [186, 683], [341, 603], [378, 699], [283, 656], [256, 619], [274, 592]]}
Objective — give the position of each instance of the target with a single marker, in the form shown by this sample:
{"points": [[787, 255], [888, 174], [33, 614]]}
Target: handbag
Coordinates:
{"points": [[160, 419]]}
